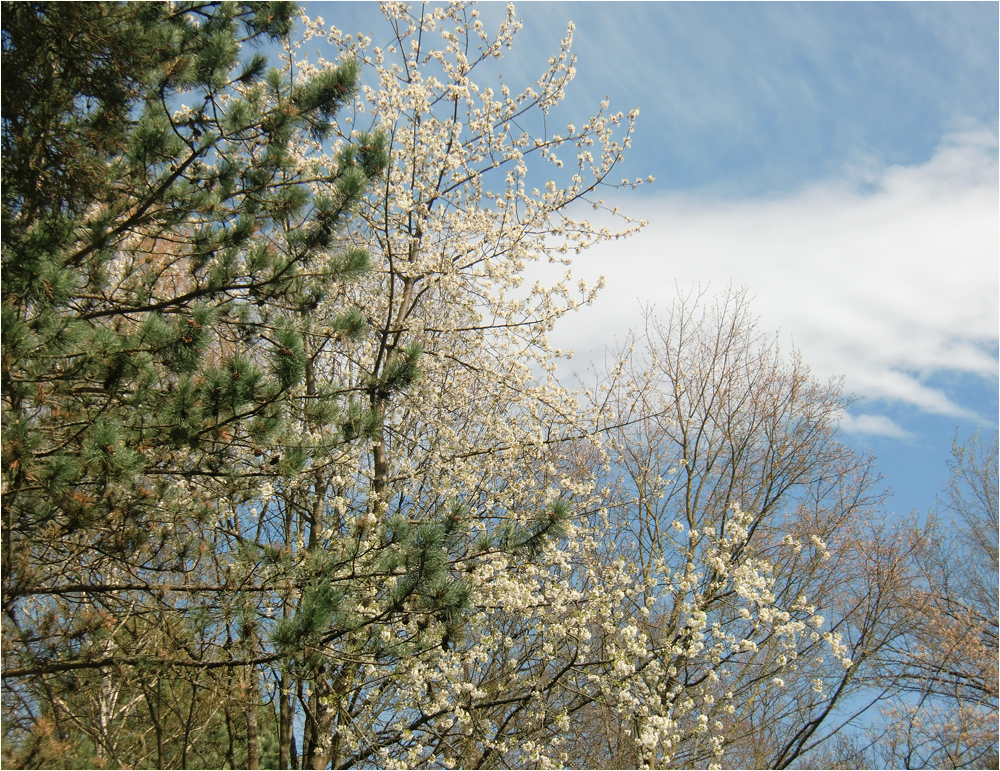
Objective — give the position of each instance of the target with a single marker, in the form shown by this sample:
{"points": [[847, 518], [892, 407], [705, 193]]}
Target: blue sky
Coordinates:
{"points": [[838, 159]]}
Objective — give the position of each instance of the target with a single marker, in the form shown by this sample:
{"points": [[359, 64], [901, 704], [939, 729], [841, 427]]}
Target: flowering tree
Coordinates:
{"points": [[406, 557], [748, 534]]}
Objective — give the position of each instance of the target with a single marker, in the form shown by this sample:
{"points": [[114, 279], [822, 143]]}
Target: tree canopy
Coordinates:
{"points": [[289, 479]]}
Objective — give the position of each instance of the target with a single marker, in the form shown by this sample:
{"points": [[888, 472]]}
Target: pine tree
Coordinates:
{"points": [[161, 252]]}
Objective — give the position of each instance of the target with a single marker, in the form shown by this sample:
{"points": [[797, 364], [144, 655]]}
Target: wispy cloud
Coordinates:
{"points": [[752, 97], [884, 275], [872, 425]]}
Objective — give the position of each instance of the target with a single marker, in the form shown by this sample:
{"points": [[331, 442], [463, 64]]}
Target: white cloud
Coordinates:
{"points": [[884, 275], [872, 425]]}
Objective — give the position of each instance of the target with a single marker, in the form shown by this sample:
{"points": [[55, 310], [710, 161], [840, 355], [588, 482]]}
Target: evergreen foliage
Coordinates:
{"points": [[162, 252]]}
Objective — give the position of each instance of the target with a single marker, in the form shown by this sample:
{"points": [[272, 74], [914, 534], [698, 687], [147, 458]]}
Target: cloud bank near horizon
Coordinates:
{"points": [[886, 276]]}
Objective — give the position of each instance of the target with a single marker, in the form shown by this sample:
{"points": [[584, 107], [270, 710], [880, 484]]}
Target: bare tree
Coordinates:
{"points": [[947, 665], [765, 579]]}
